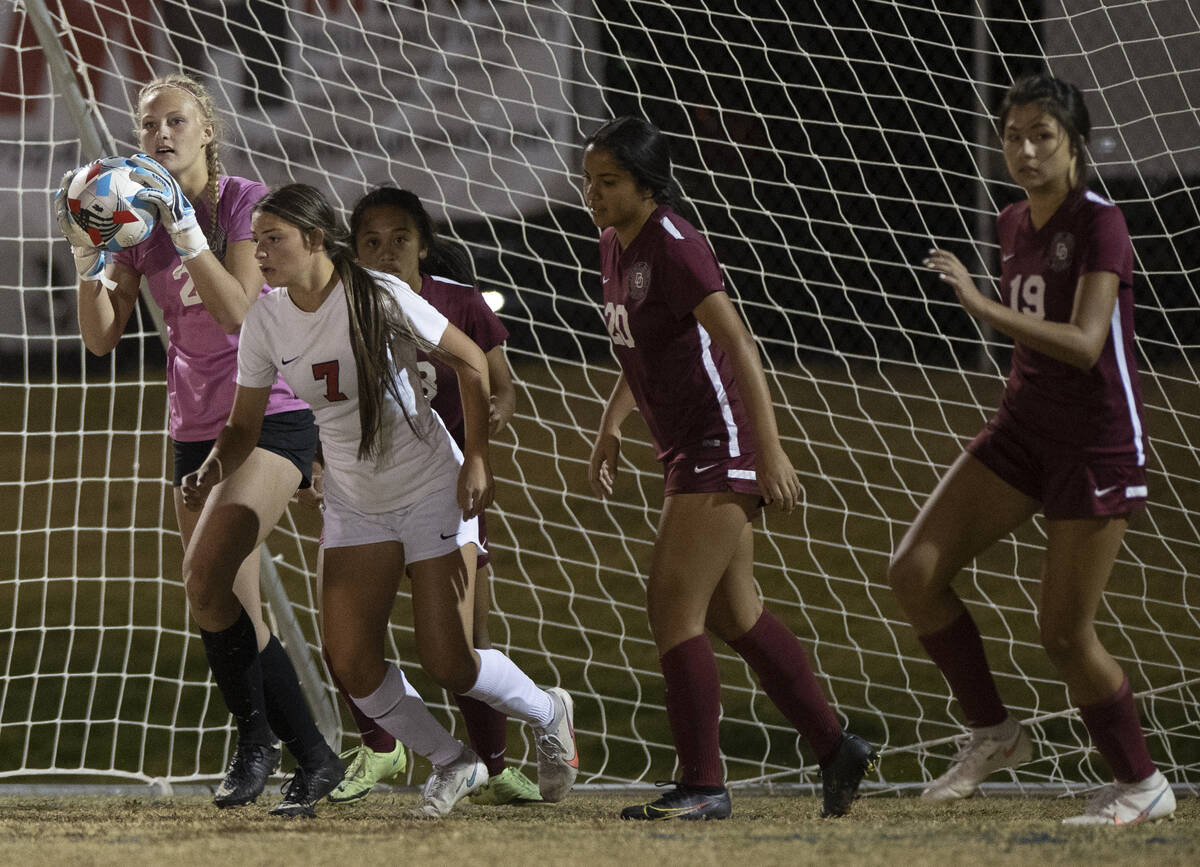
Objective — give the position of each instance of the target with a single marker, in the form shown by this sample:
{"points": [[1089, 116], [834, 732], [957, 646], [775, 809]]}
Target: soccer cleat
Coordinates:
{"points": [[449, 784], [683, 802], [558, 755], [247, 774], [840, 779], [981, 753], [1129, 803], [365, 770], [509, 786], [306, 786]]}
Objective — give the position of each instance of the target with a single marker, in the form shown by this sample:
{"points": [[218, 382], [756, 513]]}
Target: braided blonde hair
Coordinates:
{"points": [[208, 113]]}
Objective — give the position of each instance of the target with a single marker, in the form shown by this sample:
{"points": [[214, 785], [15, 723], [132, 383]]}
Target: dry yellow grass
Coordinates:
{"points": [[764, 830]]}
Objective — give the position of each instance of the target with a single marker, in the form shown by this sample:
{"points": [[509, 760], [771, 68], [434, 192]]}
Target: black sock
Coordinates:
{"points": [[233, 657], [287, 710]]}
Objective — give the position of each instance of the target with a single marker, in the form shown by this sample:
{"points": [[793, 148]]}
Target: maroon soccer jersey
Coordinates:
{"points": [[1098, 410], [682, 382], [467, 311]]}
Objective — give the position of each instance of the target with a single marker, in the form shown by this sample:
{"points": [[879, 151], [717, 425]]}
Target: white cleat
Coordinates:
{"points": [[983, 752], [1129, 803], [558, 757], [449, 784]]}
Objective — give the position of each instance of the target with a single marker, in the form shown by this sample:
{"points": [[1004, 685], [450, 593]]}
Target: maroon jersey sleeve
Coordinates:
{"points": [[697, 274], [1106, 245], [479, 322]]}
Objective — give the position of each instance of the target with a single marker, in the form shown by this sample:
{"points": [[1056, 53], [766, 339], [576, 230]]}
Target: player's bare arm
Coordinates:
{"points": [[475, 485], [1077, 342], [227, 290], [602, 466], [777, 477], [503, 401], [103, 312], [234, 444]]}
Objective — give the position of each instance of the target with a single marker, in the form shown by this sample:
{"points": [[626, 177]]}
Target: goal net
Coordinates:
{"points": [[823, 149]]}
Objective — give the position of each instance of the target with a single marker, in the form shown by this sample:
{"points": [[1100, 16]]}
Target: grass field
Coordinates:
{"points": [[764, 830]]}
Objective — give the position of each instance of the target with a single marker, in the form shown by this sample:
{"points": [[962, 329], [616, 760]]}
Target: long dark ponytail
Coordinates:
{"points": [[376, 320]]}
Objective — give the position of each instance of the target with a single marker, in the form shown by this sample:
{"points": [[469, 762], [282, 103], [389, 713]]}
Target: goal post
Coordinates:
{"points": [[823, 149], [94, 144]]}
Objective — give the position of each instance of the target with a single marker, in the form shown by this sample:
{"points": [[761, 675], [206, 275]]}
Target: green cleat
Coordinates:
{"points": [[510, 786], [367, 769]]}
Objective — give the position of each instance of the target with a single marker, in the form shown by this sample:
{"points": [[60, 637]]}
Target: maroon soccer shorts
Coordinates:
{"points": [[1070, 483], [688, 474]]}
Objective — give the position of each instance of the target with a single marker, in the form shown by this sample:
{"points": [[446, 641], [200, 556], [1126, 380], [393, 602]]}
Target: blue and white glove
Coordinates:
{"points": [[90, 260], [175, 212]]}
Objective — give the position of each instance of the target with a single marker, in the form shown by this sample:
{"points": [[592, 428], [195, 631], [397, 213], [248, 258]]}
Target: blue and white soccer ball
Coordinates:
{"points": [[102, 200]]}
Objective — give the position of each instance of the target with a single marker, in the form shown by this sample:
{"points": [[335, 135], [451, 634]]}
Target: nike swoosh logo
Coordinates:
{"points": [[451, 536], [1007, 256], [1100, 492], [603, 279], [1012, 749], [700, 469], [289, 360], [660, 813]]}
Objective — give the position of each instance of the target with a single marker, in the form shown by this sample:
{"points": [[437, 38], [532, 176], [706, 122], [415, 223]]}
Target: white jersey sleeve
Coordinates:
{"points": [[256, 365], [427, 322]]}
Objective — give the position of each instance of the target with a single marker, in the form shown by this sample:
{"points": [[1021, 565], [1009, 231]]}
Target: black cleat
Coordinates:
{"points": [[683, 802], [306, 786], [855, 758], [247, 774]]}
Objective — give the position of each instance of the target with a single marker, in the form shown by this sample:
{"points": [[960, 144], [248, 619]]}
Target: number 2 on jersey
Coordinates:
{"points": [[187, 292], [616, 319]]}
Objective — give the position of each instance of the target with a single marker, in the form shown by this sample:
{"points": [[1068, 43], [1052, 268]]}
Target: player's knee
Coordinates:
{"points": [[454, 672], [205, 591], [909, 577], [350, 666], [1064, 638]]}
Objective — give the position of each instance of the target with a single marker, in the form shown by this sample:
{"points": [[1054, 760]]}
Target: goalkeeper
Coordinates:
{"points": [[199, 265]]}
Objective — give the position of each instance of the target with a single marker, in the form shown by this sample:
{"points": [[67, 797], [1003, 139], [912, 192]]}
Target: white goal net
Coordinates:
{"points": [[823, 147]]}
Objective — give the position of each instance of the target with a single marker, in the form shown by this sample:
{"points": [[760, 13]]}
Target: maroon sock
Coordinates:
{"points": [[487, 729], [1116, 731], [373, 737], [779, 660], [694, 710], [958, 651]]}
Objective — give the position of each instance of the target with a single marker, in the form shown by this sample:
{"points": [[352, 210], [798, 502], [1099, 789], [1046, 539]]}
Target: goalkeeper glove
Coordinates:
{"points": [[175, 212], [90, 260]]}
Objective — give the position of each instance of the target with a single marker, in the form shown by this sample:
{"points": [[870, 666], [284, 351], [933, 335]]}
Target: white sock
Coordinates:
{"points": [[401, 712], [508, 689]]}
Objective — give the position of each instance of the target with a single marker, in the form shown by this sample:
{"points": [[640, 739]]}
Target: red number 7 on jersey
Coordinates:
{"points": [[328, 371]]}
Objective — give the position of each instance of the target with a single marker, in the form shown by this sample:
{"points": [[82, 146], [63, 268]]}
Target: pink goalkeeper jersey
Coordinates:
{"points": [[682, 382], [1100, 409], [201, 357]]}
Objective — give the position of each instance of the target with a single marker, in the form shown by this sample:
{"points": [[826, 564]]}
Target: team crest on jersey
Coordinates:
{"points": [[1062, 250], [638, 281]]}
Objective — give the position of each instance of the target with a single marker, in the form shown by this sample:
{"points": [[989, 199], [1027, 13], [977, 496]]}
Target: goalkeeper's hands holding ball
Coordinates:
{"points": [[90, 260], [175, 212]]}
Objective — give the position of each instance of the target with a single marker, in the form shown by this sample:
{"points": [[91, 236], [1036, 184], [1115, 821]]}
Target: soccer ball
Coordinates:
{"points": [[102, 201]]}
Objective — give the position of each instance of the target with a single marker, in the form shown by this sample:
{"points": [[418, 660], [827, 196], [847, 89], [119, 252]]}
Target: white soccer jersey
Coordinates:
{"points": [[312, 353]]}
